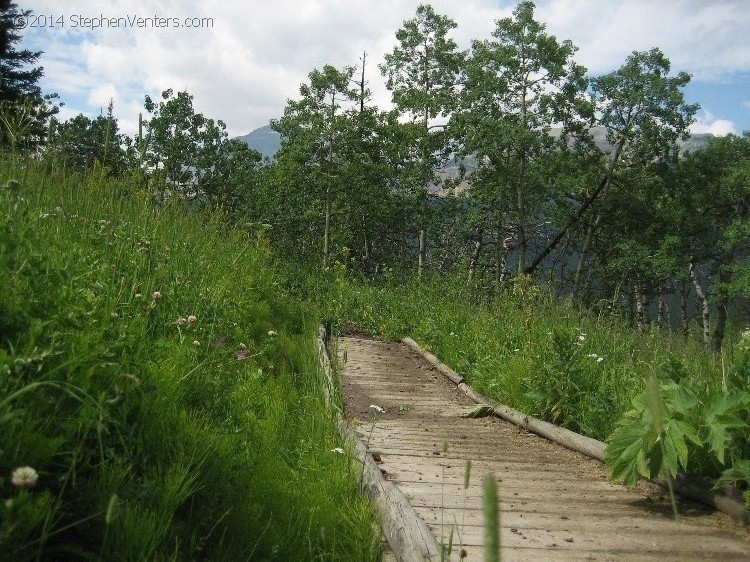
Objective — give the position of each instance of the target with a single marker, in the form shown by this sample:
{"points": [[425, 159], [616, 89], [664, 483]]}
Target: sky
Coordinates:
{"points": [[243, 59]]}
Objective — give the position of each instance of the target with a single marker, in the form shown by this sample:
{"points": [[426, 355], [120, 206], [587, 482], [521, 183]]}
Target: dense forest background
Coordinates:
{"points": [[504, 160]]}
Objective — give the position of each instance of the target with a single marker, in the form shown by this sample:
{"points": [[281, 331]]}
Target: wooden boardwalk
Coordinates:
{"points": [[555, 504]]}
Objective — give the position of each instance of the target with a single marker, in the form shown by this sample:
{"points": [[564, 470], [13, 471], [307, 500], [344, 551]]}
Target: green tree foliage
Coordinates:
{"points": [[80, 142], [313, 130], [644, 113], [18, 81], [184, 144], [422, 74], [24, 111], [714, 221], [515, 88]]}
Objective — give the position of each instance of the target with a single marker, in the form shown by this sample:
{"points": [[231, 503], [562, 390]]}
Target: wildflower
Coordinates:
{"points": [[242, 353], [377, 409], [24, 477], [338, 451], [181, 321], [196, 343], [191, 319], [582, 337], [138, 295], [599, 359], [114, 315], [272, 333], [156, 296]]}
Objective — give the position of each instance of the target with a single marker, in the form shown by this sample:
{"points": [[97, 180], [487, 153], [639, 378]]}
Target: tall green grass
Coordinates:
{"points": [[158, 379]]}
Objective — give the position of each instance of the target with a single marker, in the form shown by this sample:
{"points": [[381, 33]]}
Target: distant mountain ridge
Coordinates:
{"points": [[267, 141], [263, 139]]}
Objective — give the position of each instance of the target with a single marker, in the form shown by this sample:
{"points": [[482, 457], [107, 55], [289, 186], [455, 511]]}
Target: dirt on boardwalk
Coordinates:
{"points": [[556, 504]]}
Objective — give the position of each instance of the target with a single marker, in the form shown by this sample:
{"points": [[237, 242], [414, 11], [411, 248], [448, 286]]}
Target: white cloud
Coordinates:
{"points": [[244, 68], [706, 39], [706, 122]]}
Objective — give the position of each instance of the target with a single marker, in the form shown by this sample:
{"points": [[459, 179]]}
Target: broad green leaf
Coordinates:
{"points": [[738, 472], [624, 455], [719, 418]]}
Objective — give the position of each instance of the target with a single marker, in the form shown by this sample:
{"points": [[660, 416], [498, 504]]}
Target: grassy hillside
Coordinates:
{"points": [[159, 394]]}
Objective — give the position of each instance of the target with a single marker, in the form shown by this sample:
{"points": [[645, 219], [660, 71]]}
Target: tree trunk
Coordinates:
{"points": [[327, 231], [521, 224], [642, 305], [721, 324], [722, 307], [590, 231], [662, 315], [684, 289], [474, 260], [705, 308], [366, 245], [520, 194]]}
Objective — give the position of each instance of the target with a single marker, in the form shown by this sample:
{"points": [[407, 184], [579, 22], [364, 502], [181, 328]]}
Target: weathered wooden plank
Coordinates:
{"points": [[547, 492], [408, 535]]}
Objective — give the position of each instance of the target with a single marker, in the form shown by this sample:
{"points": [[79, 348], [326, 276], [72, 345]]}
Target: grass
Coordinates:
{"points": [[162, 385]]}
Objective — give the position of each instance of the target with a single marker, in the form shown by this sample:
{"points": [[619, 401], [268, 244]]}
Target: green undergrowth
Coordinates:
{"points": [[554, 360], [159, 397]]}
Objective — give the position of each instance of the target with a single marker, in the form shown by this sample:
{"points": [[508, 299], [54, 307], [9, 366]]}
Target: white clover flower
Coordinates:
{"points": [[338, 451], [114, 315], [196, 343], [138, 295], [181, 321], [156, 295], [272, 333], [24, 477], [191, 319], [599, 359], [377, 409], [582, 337]]}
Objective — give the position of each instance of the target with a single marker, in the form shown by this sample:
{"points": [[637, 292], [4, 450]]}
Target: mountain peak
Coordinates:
{"points": [[263, 139]]}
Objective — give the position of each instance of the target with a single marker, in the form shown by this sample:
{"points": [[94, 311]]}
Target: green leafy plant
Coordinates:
{"points": [[682, 426]]}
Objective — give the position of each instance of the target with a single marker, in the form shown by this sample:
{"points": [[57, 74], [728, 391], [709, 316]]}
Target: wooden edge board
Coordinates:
{"points": [[728, 500], [406, 532]]}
